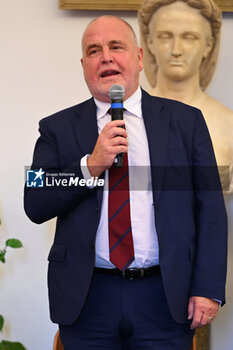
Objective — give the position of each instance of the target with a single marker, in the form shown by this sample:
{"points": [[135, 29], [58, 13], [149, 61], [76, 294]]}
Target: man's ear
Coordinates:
{"points": [[209, 46], [81, 60], [140, 58]]}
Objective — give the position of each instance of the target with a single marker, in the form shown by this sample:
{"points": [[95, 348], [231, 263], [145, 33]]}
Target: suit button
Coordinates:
{"points": [[92, 246], [97, 209]]}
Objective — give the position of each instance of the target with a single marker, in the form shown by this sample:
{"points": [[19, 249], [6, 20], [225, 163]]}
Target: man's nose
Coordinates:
{"points": [[177, 47], [107, 56]]}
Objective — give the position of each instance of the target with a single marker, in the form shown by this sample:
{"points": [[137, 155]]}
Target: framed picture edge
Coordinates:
{"points": [[124, 5]]}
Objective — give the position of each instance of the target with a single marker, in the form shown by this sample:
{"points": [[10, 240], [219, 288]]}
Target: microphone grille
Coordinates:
{"points": [[116, 92]]}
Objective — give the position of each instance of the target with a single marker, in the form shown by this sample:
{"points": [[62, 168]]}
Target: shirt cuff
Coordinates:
{"points": [[85, 170]]}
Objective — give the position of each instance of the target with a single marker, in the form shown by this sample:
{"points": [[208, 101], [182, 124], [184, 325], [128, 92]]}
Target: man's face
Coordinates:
{"points": [[110, 56], [180, 37]]}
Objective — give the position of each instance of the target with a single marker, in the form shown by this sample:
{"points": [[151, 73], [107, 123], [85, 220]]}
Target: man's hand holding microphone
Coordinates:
{"points": [[112, 141]]}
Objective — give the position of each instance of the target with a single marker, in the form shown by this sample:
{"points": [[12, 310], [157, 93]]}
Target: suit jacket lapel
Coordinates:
{"points": [[86, 131], [156, 124], [85, 126]]}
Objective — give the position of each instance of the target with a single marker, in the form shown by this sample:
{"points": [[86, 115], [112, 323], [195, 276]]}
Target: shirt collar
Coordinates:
{"points": [[132, 105]]}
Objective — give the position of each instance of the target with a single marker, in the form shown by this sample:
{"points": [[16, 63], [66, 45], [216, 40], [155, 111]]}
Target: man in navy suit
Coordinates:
{"points": [[176, 280]]}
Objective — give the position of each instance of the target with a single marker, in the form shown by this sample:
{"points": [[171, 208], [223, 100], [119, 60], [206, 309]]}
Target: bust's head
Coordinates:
{"points": [[180, 38]]}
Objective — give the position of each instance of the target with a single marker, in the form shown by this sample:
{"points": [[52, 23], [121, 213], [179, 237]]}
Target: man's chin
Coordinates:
{"points": [[100, 91], [105, 89], [102, 94]]}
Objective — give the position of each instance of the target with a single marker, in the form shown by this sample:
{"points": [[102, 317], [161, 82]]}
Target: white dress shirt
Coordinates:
{"points": [[141, 201]]}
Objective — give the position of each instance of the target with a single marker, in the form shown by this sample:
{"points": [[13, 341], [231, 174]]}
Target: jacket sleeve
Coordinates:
{"points": [[209, 273], [42, 204]]}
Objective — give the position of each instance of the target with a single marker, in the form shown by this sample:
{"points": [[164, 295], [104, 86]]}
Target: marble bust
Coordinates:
{"points": [[181, 43]]}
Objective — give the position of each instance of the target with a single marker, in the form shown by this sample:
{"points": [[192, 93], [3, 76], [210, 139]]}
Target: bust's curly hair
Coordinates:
{"points": [[208, 9]]}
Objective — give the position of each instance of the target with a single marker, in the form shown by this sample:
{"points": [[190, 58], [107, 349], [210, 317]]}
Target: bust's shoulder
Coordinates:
{"points": [[169, 104], [216, 107]]}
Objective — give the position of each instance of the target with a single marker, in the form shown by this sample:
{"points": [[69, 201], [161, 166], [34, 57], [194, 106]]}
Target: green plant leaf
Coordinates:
{"points": [[1, 322], [14, 243], [2, 258], [8, 345]]}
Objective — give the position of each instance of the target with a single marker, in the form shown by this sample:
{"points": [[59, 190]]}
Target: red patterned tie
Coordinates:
{"points": [[120, 232]]}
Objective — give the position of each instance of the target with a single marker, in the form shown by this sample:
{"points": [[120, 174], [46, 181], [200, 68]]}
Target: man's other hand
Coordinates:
{"points": [[202, 311]]}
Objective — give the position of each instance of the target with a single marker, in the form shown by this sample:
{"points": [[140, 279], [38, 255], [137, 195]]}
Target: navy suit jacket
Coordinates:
{"points": [[189, 209]]}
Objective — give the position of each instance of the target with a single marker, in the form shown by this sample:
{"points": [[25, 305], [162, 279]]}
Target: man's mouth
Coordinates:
{"points": [[109, 73]]}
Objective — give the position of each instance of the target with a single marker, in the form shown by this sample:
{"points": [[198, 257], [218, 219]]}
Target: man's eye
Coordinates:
{"points": [[93, 52], [116, 47]]}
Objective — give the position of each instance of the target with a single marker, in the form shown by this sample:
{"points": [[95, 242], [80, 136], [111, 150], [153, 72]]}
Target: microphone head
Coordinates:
{"points": [[116, 92]]}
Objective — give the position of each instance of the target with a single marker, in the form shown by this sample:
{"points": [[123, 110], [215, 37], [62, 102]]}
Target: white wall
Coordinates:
{"points": [[40, 73]]}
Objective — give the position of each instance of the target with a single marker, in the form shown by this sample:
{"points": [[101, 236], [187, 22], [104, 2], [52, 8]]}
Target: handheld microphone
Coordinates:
{"points": [[116, 94]]}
